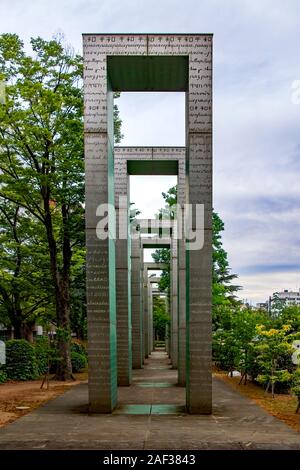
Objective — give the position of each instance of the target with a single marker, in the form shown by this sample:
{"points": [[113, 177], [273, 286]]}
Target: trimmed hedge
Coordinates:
{"points": [[20, 360], [78, 361], [41, 346], [25, 361]]}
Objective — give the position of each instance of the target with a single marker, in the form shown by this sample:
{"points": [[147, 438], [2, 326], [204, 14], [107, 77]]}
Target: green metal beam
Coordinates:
{"points": [[152, 167], [148, 73]]}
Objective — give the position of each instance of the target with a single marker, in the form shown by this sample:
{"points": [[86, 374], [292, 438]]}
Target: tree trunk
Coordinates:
{"points": [[12, 305], [27, 332], [10, 332], [16, 319], [243, 377], [64, 371], [61, 287], [21, 330], [272, 372], [64, 368], [268, 386], [273, 387], [17, 330]]}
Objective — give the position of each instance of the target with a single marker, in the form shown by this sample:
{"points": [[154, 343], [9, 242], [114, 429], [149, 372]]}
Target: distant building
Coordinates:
{"points": [[285, 298], [245, 305], [262, 305], [8, 333]]}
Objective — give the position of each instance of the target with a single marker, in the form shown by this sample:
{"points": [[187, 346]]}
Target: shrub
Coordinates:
{"points": [[20, 360], [41, 347], [55, 357], [78, 348], [78, 357], [295, 383], [3, 376], [273, 347], [78, 361]]}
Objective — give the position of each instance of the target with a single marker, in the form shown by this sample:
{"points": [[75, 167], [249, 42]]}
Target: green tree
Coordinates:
{"points": [[223, 291], [78, 314], [235, 340], [289, 316], [273, 348], [41, 150], [25, 294], [225, 350], [162, 255], [295, 387], [243, 326], [42, 154], [276, 306], [160, 318], [133, 212]]}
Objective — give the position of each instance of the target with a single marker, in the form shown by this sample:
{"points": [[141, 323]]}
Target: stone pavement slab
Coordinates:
{"points": [[155, 419]]}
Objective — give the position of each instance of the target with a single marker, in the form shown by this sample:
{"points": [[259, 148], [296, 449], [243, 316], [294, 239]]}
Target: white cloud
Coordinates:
{"points": [[258, 287], [256, 126], [146, 193], [153, 119]]}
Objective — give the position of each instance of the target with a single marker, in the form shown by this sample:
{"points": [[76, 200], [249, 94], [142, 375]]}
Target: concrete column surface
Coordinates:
{"points": [[146, 313], [123, 275], [174, 304], [136, 305]]}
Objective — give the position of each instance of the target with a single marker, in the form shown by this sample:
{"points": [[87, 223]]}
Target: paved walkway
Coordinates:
{"points": [[150, 415]]}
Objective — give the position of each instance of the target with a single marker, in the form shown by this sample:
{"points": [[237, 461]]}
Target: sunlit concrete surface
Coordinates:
{"points": [[150, 415]]}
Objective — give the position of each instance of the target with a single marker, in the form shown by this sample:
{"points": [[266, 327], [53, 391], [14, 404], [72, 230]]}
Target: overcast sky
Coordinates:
{"points": [[256, 124]]}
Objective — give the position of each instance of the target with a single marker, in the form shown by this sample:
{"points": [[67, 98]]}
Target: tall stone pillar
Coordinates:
{"points": [[100, 282], [143, 303], [181, 314], [136, 305], [168, 332], [146, 313], [174, 302], [187, 59], [181, 279], [150, 310], [123, 275], [167, 340], [199, 255]]}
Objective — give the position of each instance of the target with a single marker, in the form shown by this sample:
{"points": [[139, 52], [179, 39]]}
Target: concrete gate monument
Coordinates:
{"points": [[147, 62]]}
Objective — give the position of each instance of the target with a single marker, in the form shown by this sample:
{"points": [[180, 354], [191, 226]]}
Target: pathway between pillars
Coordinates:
{"points": [[150, 416], [154, 389]]}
